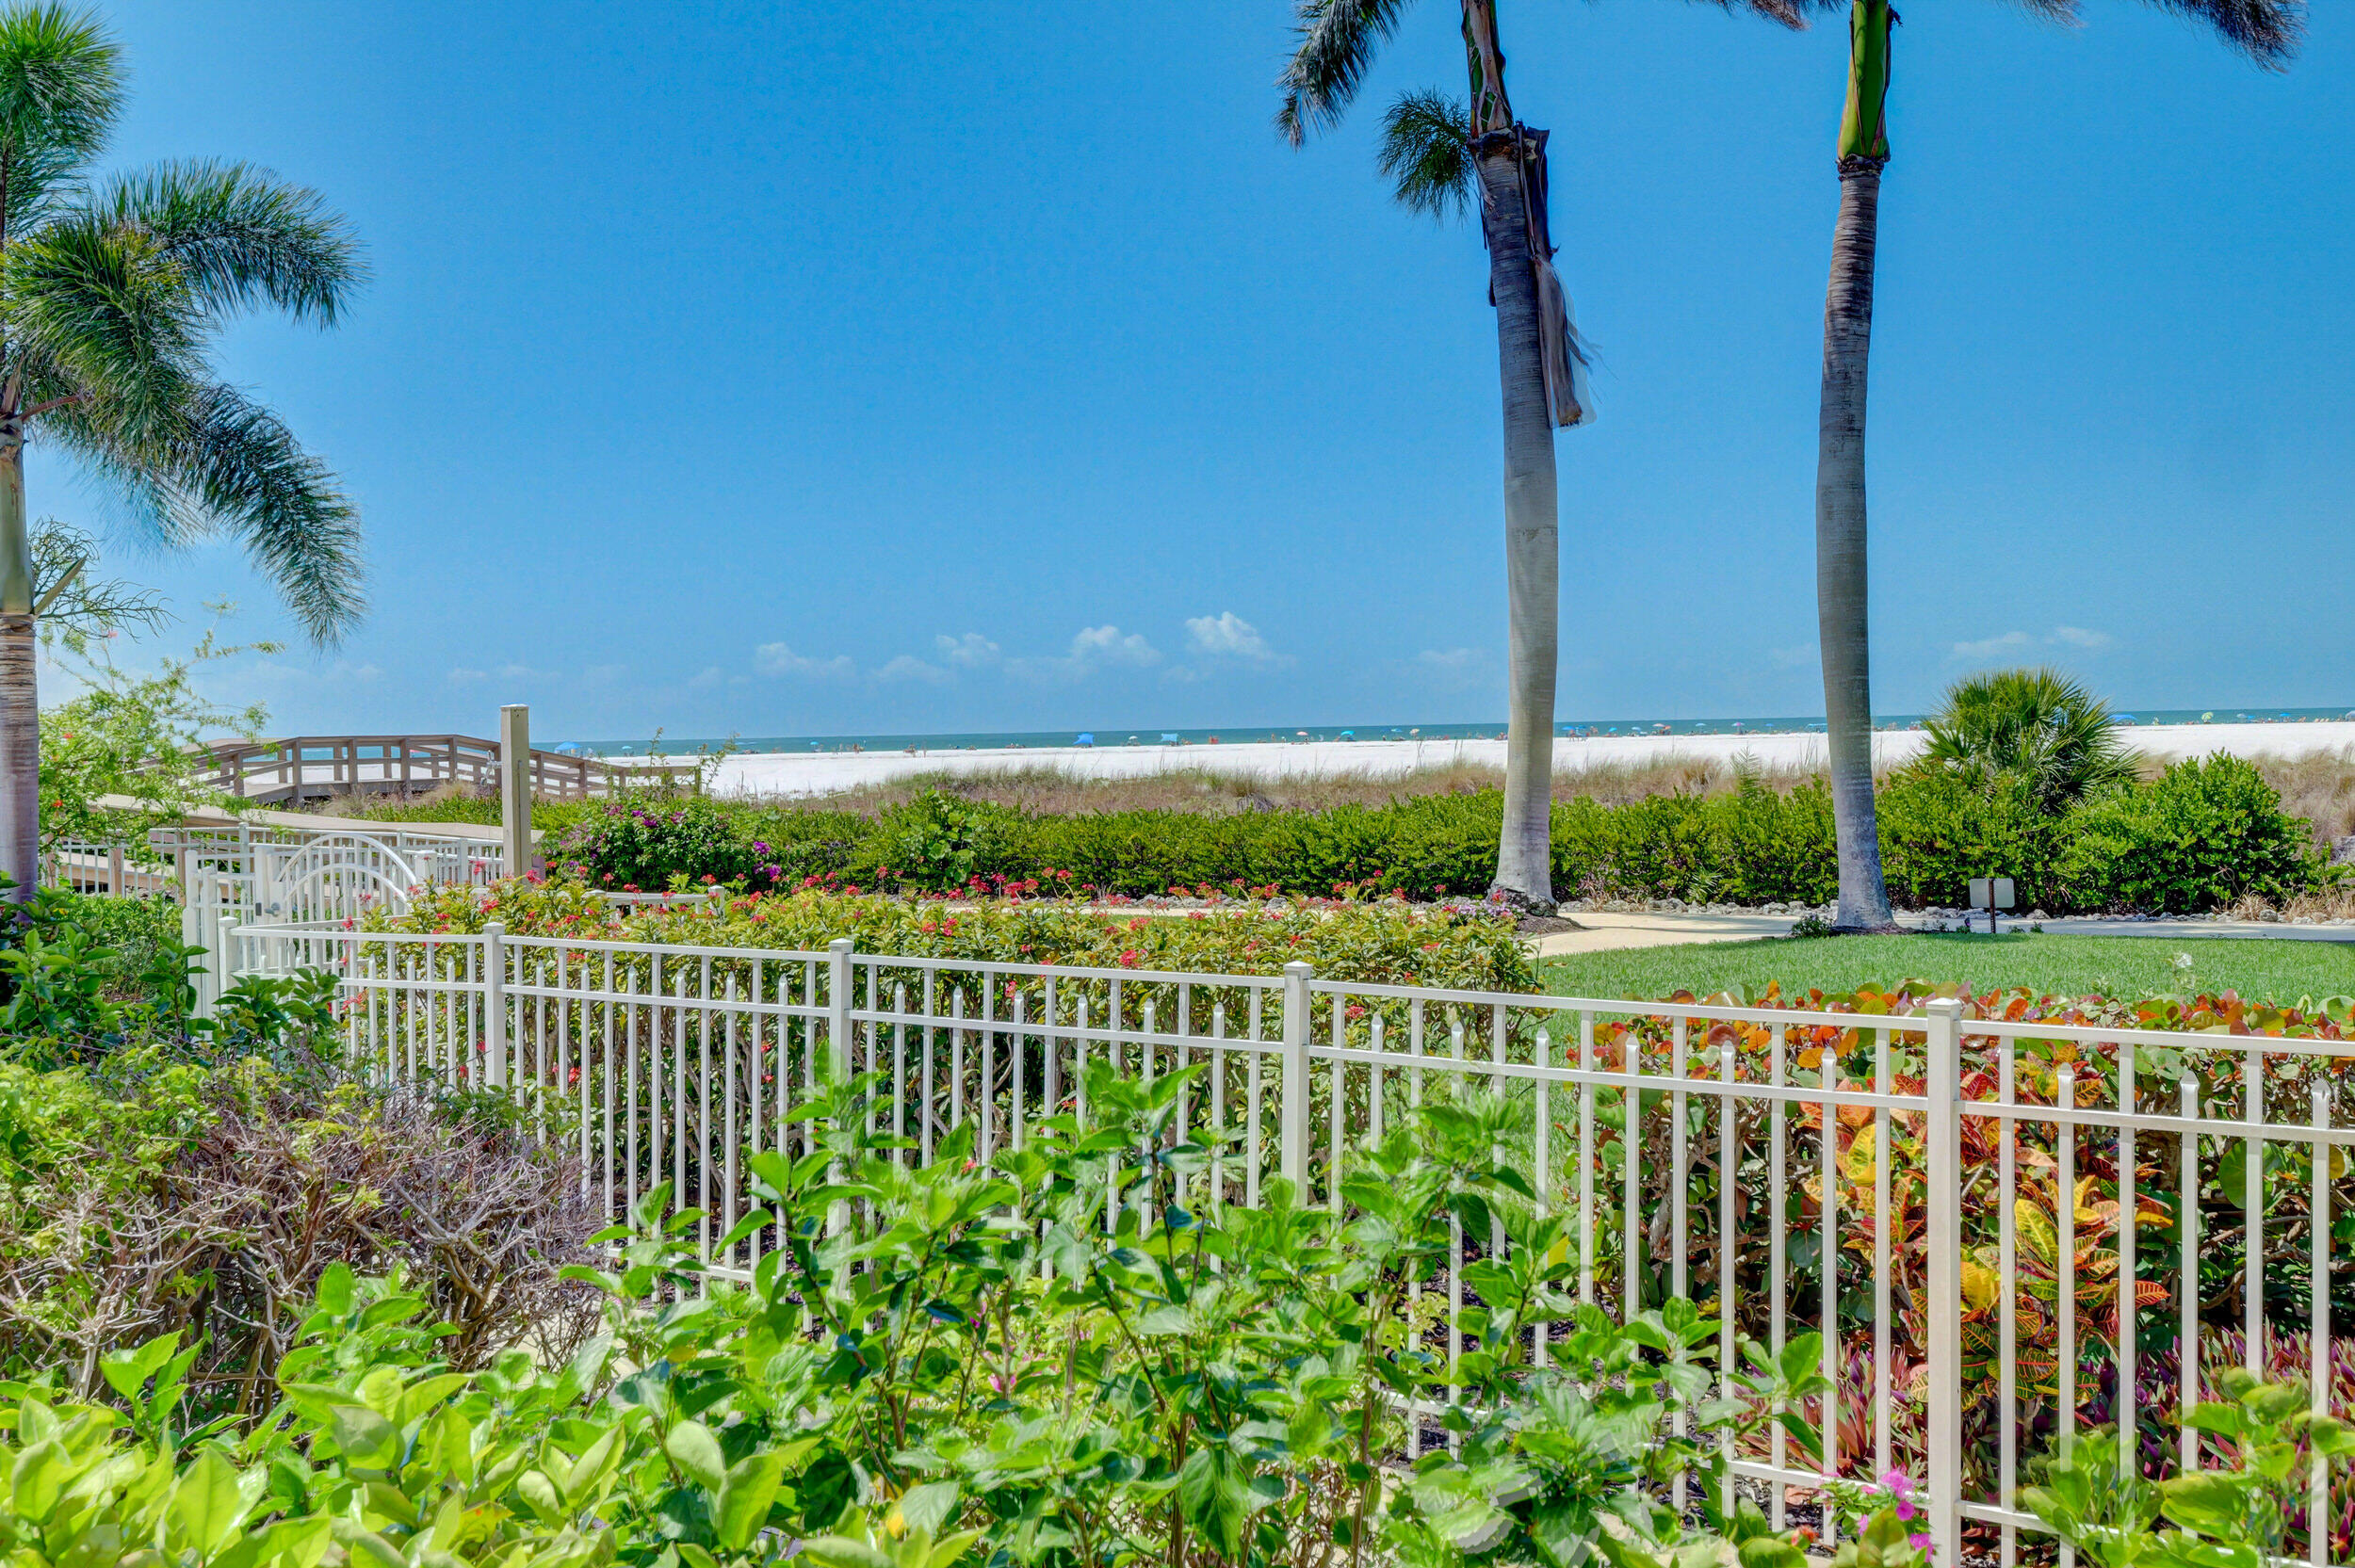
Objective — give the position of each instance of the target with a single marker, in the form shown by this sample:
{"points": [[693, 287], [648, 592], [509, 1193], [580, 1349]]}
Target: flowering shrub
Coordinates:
{"points": [[1387, 941], [1885, 1524]]}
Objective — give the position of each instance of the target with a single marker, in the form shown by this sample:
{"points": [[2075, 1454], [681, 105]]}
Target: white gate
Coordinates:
{"points": [[230, 877]]}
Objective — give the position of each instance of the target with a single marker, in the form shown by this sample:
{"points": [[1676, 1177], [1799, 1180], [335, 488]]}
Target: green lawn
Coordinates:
{"points": [[2136, 966]]}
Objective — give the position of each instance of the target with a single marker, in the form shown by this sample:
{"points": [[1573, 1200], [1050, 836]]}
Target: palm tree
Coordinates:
{"points": [[111, 295], [2038, 725], [1440, 153], [2265, 30]]}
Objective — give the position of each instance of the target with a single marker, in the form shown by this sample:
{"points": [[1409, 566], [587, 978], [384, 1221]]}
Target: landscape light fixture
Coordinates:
{"points": [[1990, 894]]}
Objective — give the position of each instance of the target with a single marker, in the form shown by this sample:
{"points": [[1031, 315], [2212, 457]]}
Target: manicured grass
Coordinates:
{"points": [[2131, 966]]}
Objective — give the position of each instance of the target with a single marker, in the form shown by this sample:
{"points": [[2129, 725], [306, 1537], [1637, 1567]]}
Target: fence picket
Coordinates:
{"points": [[695, 1039]]}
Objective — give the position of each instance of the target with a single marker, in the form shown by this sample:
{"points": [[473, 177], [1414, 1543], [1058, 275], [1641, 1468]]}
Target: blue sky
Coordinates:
{"points": [[949, 365]]}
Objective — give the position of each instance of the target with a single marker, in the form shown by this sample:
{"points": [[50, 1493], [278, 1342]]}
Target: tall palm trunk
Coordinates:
{"points": [[1841, 598], [1532, 526], [20, 707]]}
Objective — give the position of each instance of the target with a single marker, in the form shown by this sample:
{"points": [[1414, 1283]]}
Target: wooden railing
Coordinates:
{"points": [[311, 767]]}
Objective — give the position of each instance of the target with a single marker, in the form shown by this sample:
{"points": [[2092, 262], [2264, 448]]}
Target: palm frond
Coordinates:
{"points": [[244, 237], [1790, 13], [2267, 31], [238, 464], [1338, 40], [230, 467], [42, 185], [60, 84], [138, 501], [2035, 725], [2064, 12], [114, 319], [1426, 153]]}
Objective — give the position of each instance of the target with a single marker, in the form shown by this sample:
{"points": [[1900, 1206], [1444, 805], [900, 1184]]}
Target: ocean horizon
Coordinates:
{"points": [[1265, 735]]}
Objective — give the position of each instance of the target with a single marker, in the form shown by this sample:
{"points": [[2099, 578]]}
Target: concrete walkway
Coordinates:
{"points": [[1608, 932]]}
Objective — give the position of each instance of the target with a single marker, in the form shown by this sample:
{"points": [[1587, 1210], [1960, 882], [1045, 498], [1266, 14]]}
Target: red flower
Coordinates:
{"points": [[1130, 958]]}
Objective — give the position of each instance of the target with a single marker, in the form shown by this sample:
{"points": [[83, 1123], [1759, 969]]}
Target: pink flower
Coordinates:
{"points": [[1920, 1541]]}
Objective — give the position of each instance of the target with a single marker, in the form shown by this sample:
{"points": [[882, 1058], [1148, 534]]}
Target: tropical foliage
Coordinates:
{"points": [[969, 1365], [2203, 834], [125, 754], [112, 294], [1364, 942], [2035, 726]]}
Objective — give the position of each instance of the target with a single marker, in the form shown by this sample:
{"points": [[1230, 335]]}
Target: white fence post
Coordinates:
{"points": [[1295, 1109], [838, 1008], [1944, 1307], [494, 1001]]}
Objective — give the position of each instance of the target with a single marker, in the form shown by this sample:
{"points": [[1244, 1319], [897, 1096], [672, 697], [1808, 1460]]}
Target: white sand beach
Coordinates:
{"points": [[798, 773]]}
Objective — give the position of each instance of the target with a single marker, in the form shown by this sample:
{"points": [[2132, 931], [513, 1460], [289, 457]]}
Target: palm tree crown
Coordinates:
{"points": [[111, 294], [2036, 725]]}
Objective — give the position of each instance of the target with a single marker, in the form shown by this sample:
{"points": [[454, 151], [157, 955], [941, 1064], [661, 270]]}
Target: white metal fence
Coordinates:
{"points": [[231, 876], [1917, 1187]]}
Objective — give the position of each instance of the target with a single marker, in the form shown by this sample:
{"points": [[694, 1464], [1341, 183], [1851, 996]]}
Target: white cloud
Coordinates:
{"points": [[705, 678], [1453, 667], [1228, 634], [1994, 647], [1106, 645], [524, 672], [2017, 643], [341, 672], [1092, 648], [462, 677], [909, 668], [971, 651], [604, 675], [1794, 657], [776, 658]]}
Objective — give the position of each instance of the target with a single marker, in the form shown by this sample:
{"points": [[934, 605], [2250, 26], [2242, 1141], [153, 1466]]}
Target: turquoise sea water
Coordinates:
{"points": [[1114, 735]]}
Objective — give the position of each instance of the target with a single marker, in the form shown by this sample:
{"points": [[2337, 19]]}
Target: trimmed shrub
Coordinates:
{"points": [[1384, 941], [2197, 842], [2207, 832], [1940, 828]]}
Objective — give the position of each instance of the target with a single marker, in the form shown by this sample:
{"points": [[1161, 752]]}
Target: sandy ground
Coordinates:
{"points": [[798, 773]]}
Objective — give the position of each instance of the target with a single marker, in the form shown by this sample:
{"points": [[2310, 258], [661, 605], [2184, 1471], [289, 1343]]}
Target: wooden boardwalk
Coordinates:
{"points": [[293, 770]]}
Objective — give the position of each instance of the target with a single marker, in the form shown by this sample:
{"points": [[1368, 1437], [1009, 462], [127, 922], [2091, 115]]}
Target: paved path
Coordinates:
{"points": [[1611, 933]]}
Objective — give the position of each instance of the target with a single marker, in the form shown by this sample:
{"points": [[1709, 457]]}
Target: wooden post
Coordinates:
{"points": [[515, 788]]}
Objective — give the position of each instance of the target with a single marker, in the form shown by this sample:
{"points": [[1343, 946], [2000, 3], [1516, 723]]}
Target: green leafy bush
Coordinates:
{"points": [[1941, 828], [963, 1362], [2207, 832], [83, 975], [1384, 941], [2176, 843], [2221, 1518]]}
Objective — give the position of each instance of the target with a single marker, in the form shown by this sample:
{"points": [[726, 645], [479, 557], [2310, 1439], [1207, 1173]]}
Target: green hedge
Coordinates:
{"points": [[2203, 835]]}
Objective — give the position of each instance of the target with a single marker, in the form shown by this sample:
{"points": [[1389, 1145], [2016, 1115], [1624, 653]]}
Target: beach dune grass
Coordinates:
{"points": [[2318, 786], [2280, 972]]}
